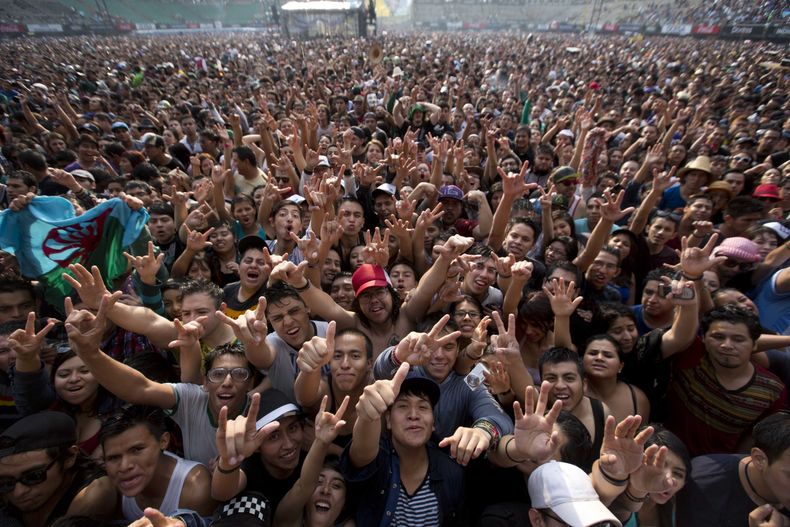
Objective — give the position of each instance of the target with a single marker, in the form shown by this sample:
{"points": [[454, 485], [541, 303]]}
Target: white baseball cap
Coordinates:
{"points": [[568, 492]]}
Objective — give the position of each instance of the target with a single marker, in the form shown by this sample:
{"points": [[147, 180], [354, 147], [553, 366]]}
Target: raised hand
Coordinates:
{"points": [[522, 271], [405, 209], [505, 343], [239, 439], [515, 185], [146, 266], [455, 246], [663, 180], [622, 448], [400, 228], [86, 330], [26, 342], [651, 476], [504, 266], [610, 209], [563, 300], [250, 328], [88, 284], [289, 273], [328, 424], [416, 348], [497, 379], [196, 240], [376, 398], [694, 260], [317, 352], [308, 247], [535, 437], [377, 250], [429, 216], [188, 334]]}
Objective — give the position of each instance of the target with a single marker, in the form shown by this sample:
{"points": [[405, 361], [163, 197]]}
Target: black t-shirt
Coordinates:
{"points": [[259, 480], [713, 495], [172, 250], [646, 369], [231, 298], [48, 187]]}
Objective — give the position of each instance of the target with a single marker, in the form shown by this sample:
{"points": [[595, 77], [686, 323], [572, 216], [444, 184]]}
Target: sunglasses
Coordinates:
{"points": [[29, 478], [220, 374], [741, 158]]}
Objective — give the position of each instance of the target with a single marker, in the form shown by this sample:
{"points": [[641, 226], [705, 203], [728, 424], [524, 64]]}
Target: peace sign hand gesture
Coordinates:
{"points": [[239, 439], [377, 249], [505, 343], [694, 260], [327, 424], [416, 348], [317, 352], [26, 342], [535, 437]]}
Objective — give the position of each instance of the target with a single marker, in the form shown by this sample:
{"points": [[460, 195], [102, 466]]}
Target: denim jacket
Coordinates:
{"points": [[377, 485]]}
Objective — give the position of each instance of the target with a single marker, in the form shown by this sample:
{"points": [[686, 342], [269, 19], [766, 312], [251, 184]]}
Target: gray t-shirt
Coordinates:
{"points": [[191, 414], [283, 371]]}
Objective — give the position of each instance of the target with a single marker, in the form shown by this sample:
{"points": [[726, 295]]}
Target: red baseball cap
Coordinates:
{"points": [[369, 275]]}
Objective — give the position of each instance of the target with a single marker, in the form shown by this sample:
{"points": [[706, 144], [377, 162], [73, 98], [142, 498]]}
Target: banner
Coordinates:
{"points": [[45, 28], [676, 29], [12, 28], [705, 29]]}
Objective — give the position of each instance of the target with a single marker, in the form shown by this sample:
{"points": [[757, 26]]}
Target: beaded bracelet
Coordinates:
{"points": [[493, 431]]}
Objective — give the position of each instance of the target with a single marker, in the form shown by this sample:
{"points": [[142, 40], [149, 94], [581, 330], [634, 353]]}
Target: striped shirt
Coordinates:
{"points": [[710, 418], [421, 509]]}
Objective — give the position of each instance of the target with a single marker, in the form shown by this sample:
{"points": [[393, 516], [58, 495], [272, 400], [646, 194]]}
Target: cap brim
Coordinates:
{"points": [[450, 197], [285, 410], [369, 284], [585, 513]]}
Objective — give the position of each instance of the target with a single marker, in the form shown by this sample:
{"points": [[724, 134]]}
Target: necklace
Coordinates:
{"points": [[751, 486]]}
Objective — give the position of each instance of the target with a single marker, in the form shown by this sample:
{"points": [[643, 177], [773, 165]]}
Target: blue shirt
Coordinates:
{"points": [[671, 200], [774, 307]]}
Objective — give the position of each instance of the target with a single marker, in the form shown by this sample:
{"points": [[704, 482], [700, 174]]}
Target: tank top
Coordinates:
{"points": [[131, 511]]}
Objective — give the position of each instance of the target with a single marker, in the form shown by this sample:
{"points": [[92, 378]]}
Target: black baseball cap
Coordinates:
{"points": [[419, 383], [37, 432]]}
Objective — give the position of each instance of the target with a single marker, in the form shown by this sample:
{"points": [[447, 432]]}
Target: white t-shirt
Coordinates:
{"points": [[191, 414], [283, 371]]}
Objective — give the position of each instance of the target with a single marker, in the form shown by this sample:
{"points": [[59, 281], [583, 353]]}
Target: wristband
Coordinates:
{"points": [[633, 498], [610, 479], [508, 454], [303, 288], [491, 429], [691, 278], [227, 471]]}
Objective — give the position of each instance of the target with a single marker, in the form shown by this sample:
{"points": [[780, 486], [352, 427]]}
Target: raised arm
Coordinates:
{"points": [[661, 182], [693, 262], [610, 213], [327, 426], [316, 353], [319, 302], [374, 401], [85, 335], [563, 303], [141, 320], [513, 187]]}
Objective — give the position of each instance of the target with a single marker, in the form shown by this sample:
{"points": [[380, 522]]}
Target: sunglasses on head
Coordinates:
{"points": [[29, 478]]}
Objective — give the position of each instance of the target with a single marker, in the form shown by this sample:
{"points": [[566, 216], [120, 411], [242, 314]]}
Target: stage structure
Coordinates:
{"points": [[324, 18]]}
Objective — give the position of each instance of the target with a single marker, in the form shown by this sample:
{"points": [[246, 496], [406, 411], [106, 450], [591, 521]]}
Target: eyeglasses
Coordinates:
{"points": [[741, 266], [236, 374], [379, 293], [30, 478], [463, 314], [606, 265]]}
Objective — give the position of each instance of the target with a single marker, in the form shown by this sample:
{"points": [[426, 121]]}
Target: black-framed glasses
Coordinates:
{"points": [[29, 478], [220, 374]]}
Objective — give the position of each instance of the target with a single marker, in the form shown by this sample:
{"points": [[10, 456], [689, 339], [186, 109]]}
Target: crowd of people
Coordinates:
{"points": [[709, 13], [489, 280]]}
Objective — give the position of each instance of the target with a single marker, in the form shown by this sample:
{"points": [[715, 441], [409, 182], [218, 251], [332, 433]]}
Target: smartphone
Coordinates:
{"points": [[686, 294]]}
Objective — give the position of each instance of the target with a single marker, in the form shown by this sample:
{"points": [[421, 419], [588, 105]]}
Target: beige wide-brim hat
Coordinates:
{"points": [[701, 163]]}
